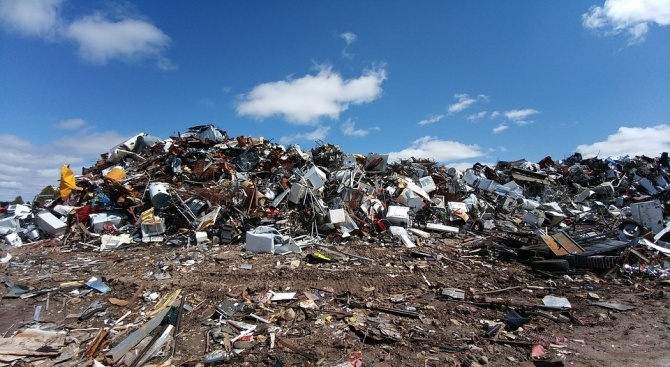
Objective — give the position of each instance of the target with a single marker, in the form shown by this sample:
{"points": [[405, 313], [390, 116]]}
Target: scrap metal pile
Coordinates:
{"points": [[203, 189]]}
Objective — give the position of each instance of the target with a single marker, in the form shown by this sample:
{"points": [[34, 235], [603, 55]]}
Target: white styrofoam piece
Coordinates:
{"points": [[420, 233], [441, 228], [337, 216], [200, 237]]}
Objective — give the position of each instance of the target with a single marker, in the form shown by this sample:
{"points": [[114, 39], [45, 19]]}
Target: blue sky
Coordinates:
{"points": [[458, 82]]}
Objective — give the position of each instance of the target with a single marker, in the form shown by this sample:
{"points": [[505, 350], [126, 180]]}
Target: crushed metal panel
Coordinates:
{"points": [[348, 160], [534, 217], [227, 234], [316, 177], [528, 176], [280, 198], [404, 236], [265, 239], [561, 244], [376, 162], [454, 293], [441, 228], [208, 219], [486, 184], [297, 193], [649, 214], [427, 184], [246, 161], [409, 198], [14, 240], [604, 246]]}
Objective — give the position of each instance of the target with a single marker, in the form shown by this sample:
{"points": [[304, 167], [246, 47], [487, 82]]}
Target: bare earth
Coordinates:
{"points": [[435, 331]]}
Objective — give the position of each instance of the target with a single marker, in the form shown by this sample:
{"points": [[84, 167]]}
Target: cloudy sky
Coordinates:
{"points": [[458, 82]]}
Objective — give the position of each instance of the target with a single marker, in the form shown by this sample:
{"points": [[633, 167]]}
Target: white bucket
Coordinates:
{"points": [[158, 192]]}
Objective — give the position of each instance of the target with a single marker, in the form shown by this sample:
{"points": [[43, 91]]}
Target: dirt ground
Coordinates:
{"points": [[391, 309]]}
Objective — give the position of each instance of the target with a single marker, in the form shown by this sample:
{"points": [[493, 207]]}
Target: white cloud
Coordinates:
{"points": [[348, 37], [462, 166], [31, 17], [166, 64], [476, 116], [89, 144], [349, 129], [71, 124], [21, 153], [99, 37], [305, 100], [518, 115], [523, 122], [494, 114], [438, 150], [431, 120], [650, 141], [595, 18], [629, 16], [26, 168], [319, 134], [500, 128], [464, 101]]}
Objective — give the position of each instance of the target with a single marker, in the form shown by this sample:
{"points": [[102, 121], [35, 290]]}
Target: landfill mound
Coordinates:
{"points": [[203, 249]]}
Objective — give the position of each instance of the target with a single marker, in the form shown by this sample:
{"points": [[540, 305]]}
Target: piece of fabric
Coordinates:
{"points": [[67, 182]]}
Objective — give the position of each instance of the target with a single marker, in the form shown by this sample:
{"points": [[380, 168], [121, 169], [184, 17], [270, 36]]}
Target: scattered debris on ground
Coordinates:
{"points": [[204, 249]]}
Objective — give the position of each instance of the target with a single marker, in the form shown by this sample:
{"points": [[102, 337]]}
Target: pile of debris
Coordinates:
{"points": [[203, 194]]}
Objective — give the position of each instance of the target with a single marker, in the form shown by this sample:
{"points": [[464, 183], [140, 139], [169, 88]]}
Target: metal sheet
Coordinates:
{"points": [[561, 244]]}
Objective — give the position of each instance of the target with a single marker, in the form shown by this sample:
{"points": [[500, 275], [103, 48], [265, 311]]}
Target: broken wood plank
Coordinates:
{"points": [[133, 339], [497, 290], [33, 342], [289, 344]]}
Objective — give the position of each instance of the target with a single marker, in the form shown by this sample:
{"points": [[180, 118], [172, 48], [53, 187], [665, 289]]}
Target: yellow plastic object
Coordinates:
{"points": [[116, 174], [321, 256], [67, 182]]}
